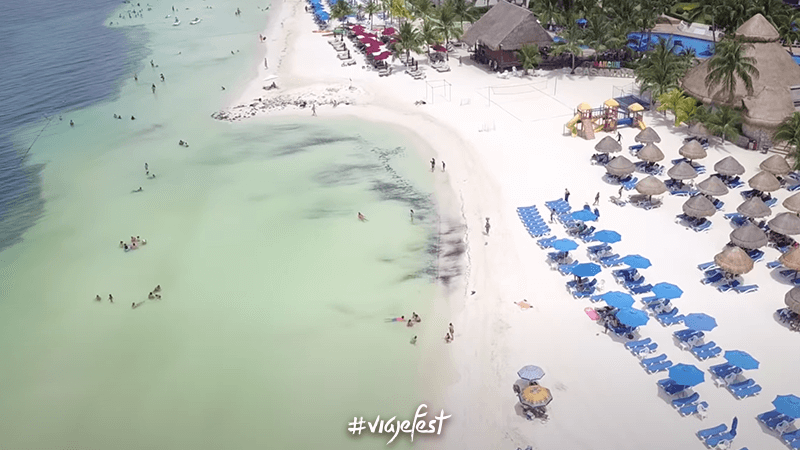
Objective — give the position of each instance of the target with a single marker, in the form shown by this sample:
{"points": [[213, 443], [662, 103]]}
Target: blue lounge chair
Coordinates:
{"points": [[702, 226], [681, 402], [767, 416], [639, 343], [741, 385], [728, 286], [671, 387], [658, 367], [610, 261], [564, 269], [771, 202], [709, 432], [703, 355], [713, 441], [685, 335], [653, 360], [644, 349], [747, 392], [713, 278], [724, 370], [707, 266], [633, 282], [746, 289], [703, 347], [774, 264], [790, 436], [665, 317], [641, 289], [692, 409]]}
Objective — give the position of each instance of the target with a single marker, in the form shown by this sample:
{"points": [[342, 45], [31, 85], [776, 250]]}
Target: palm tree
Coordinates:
{"points": [[547, 11], [687, 110], [371, 8], [724, 122], [710, 9], [789, 132], [661, 69], [340, 10], [421, 9], [428, 35], [571, 43], [445, 23], [463, 10], [670, 100], [408, 39], [529, 56], [729, 64], [788, 29], [599, 35]]}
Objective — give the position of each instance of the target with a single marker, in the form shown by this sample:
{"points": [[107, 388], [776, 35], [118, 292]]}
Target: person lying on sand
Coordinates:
{"points": [[523, 304]]}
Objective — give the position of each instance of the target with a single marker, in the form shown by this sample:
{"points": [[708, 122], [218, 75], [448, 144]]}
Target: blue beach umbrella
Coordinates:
{"points": [[585, 270], [564, 245], [632, 317], [607, 236], [741, 359], [788, 405], [617, 299], [531, 373], [584, 215], [636, 261], [700, 322], [686, 374], [667, 291]]}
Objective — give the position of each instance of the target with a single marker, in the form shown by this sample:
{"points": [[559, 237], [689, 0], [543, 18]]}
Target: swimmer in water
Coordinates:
{"points": [[151, 296], [139, 190], [133, 118], [397, 319], [110, 298], [157, 289], [162, 77], [361, 217], [410, 323], [153, 87], [135, 77], [97, 298], [121, 244], [71, 123]]}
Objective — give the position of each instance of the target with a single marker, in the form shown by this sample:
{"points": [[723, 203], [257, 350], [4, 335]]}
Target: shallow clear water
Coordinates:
{"points": [[271, 331], [702, 48]]}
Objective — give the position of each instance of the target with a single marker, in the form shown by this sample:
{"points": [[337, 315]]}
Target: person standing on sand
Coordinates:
{"points": [[619, 137], [153, 87], [433, 164], [620, 191], [314, 109], [566, 195], [487, 226], [452, 330], [412, 216], [442, 166], [597, 199]]}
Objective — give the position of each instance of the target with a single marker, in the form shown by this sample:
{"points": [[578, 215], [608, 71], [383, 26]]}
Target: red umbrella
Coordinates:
{"points": [[439, 48], [373, 48], [388, 32], [383, 56], [357, 28]]}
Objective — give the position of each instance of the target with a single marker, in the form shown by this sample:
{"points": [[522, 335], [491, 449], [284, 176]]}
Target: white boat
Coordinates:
{"points": [[176, 23], [195, 21]]}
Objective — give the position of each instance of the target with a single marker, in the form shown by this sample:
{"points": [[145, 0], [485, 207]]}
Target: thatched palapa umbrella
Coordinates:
{"points": [[682, 171], [647, 136], [775, 165], [754, 208], [792, 299], [729, 166], [734, 260], [620, 166], [651, 186], [712, 186], [608, 145], [785, 223], [698, 129], [650, 153], [749, 237], [791, 259], [764, 182], [793, 203], [699, 206], [692, 150]]}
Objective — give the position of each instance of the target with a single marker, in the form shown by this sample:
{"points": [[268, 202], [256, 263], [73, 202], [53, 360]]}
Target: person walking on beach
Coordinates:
{"points": [[566, 195], [153, 87], [442, 166], [314, 109], [412, 216], [596, 199], [619, 137], [620, 191], [433, 164], [110, 298], [487, 226], [71, 123]]}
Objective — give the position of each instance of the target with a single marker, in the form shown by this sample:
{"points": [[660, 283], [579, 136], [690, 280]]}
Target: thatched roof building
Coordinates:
{"points": [[771, 101], [507, 27]]}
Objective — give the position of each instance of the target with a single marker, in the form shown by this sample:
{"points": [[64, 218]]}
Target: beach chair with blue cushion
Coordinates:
{"points": [[644, 349], [756, 255], [688, 338], [651, 360], [705, 354], [703, 225], [629, 183], [723, 440], [725, 287], [714, 431], [747, 392], [641, 289], [771, 202], [707, 266], [658, 367], [775, 421], [745, 289], [733, 387], [610, 260], [547, 242], [714, 278], [774, 264], [695, 408], [681, 402], [671, 387], [725, 373], [791, 436], [719, 204], [639, 343], [669, 318], [565, 269], [748, 193], [634, 149]]}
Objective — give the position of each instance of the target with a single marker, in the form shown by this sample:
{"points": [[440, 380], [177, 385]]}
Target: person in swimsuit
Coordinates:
{"points": [[110, 298], [97, 298], [410, 323], [361, 217], [157, 289]]}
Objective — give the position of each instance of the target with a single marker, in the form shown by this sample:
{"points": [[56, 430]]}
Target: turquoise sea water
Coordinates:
{"points": [[271, 331]]}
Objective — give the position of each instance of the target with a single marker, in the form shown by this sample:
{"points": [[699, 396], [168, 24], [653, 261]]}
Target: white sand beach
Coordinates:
{"points": [[513, 153]]}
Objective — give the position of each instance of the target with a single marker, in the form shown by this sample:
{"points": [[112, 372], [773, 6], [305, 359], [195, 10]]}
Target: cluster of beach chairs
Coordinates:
{"points": [[530, 217], [342, 52], [723, 281], [717, 437]]}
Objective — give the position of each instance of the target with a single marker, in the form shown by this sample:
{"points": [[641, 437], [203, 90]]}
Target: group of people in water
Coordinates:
{"points": [[415, 319], [136, 242], [154, 295]]}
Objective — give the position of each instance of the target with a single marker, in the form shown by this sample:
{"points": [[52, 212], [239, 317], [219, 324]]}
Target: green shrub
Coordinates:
{"points": [[679, 11]]}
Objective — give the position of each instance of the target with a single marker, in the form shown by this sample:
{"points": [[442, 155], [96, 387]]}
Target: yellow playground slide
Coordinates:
{"points": [[642, 125], [571, 124]]}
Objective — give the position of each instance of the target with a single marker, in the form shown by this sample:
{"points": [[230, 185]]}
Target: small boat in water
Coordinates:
{"points": [[195, 21], [176, 23]]}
